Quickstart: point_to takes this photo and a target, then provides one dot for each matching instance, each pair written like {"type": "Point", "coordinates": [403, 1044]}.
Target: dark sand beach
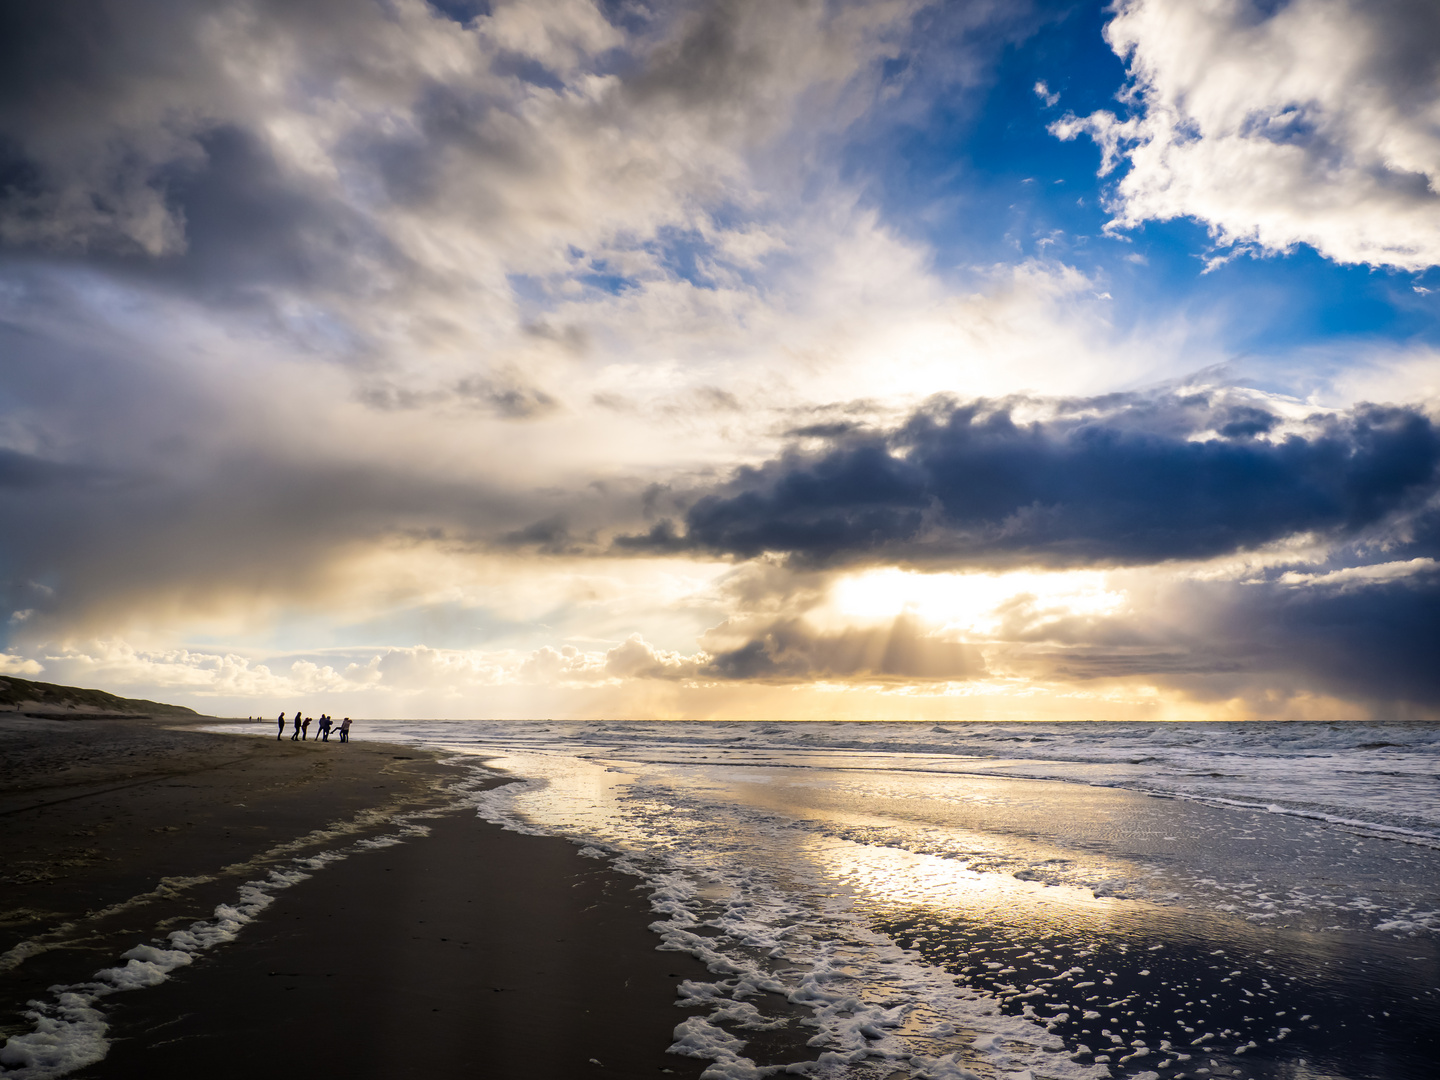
{"type": "Point", "coordinates": [469, 951]}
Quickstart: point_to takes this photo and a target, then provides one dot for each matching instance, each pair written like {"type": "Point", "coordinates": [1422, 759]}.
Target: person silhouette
{"type": "Point", "coordinates": [281, 733]}
{"type": "Point", "coordinates": [323, 730]}
{"type": "Point", "coordinates": [295, 735]}
{"type": "Point", "coordinates": [345, 730]}
{"type": "Point", "coordinates": [305, 730]}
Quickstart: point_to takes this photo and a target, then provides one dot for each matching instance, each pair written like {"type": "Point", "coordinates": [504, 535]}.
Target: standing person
{"type": "Point", "coordinates": [345, 730]}
{"type": "Point", "coordinates": [305, 730]}
{"type": "Point", "coordinates": [323, 730]}
{"type": "Point", "coordinates": [295, 735]}
{"type": "Point", "coordinates": [281, 733]}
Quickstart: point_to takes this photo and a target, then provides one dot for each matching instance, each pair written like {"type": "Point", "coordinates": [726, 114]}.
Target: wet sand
{"type": "Point", "coordinates": [470, 951]}
{"type": "Point", "coordinates": [111, 828]}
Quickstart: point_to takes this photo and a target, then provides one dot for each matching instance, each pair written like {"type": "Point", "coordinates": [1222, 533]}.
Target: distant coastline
{"type": "Point", "coordinates": [51, 701]}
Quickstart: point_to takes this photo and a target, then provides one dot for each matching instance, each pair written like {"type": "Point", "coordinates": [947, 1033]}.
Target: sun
{"type": "Point", "coordinates": [970, 603]}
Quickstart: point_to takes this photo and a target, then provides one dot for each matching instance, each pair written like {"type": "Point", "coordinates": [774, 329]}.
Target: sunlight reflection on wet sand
{"type": "Point", "coordinates": [1150, 933]}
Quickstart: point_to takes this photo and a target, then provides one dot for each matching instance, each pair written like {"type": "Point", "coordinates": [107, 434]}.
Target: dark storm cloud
{"type": "Point", "coordinates": [507, 399]}
{"type": "Point", "coordinates": [1121, 480]}
{"type": "Point", "coordinates": [68, 71]}
{"type": "Point", "coordinates": [1362, 627]}
{"type": "Point", "coordinates": [248, 224]}
{"type": "Point", "coordinates": [124, 141]}
{"type": "Point", "coordinates": [514, 401]}
{"type": "Point", "coordinates": [30, 473]}
{"type": "Point", "coordinates": [147, 485]}
{"type": "Point", "coordinates": [832, 430]}
{"type": "Point", "coordinates": [1373, 643]}
{"type": "Point", "coordinates": [718, 53]}
{"type": "Point", "coordinates": [792, 650]}
{"type": "Point", "coordinates": [1377, 643]}
{"type": "Point", "coordinates": [548, 537]}
{"type": "Point", "coordinates": [249, 527]}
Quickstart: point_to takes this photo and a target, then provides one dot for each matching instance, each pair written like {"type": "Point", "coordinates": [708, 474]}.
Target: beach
{"type": "Point", "coordinates": [463, 950]}
{"type": "Point", "coordinates": [861, 539]}
{"type": "Point", "coordinates": [726, 900]}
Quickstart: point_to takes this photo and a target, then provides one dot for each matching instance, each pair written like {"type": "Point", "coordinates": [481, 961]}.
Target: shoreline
{"type": "Point", "coordinates": [469, 951]}
{"type": "Point", "coordinates": [125, 831]}
{"type": "Point", "coordinates": [403, 934]}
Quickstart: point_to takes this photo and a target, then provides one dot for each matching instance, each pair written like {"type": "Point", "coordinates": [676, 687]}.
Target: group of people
{"type": "Point", "coordinates": [322, 730]}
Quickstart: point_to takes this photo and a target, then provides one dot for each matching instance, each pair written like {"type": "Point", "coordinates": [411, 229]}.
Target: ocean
{"type": "Point", "coordinates": [976, 900]}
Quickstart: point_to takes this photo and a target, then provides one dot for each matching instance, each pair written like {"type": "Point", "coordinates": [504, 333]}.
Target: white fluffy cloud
{"type": "Point", "coordinates": [1318, 124]}
{"type": "Point", "coordinates": [11, 664]}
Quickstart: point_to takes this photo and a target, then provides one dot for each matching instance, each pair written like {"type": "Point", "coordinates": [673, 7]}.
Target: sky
{"type": "Point", "coordinates": [785, 359]}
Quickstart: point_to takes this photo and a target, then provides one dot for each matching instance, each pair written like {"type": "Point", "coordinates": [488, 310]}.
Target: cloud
{"type": "Point", "coordinates": [328, 322]}
{"type": "Point", "coordinates": [635, 658]}
{"type": "Point", "coordinates": [520, 212]}
{"type": "Point", "coordinates": [11, 664]}
{"type": "Point", "coordinates": [20, 471]}
{"type": "Point", "coordinates": [1309, 122]}
{"type": "Point", "coordinates": [782, 652]}
{"type": "Point", "coordinates": [548, 665]}
{"type": "Point", "coordinates": [414, 197]}
{"type": "Point", "coordinates": [118, 662]}
{"type": "Point", "coordinates": [1364, 639]}
{"type": "Point", "coordinates": [534, 127]}
{"type": "Point", "coordinates": [1373, 644]}
{"type": "Point", "coordinates": [283, 284]}
{"type": "Point", "coordinates": [1351, 577]}
{"type": "Point", "coordinates": [792, 650]}
{"type": "Point", "coordinates": [1128, 479]}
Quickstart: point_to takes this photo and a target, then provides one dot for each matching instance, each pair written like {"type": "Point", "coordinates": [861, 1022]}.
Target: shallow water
{"type": "Point", "coordinates": [1076, 900]}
